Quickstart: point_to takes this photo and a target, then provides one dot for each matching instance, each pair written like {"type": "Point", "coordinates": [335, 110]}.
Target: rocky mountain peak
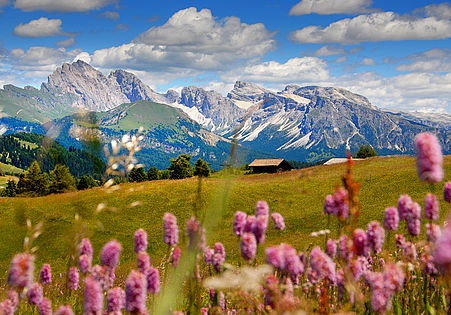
{"type": "Point", "coordinates": [248, 92]}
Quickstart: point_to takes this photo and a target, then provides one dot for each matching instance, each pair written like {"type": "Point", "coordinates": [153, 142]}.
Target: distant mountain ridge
{"type": "Point", "coordinates": [298, 123]}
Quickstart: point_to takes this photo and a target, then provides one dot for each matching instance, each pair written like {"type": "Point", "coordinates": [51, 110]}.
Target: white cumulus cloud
{"type": "Point", "coordinates": [368, 62]}
{"type": "Point", "coordinates": [295, 70]}
{"type": "Point", "coordinates": [68, 42]}
{"type": "Point", "coordinates": [381, 26]}
{"type": "Point", "coordinates": [62, 5]}
{"type": "Point", "coordinates": [331, 7]}
{"type": "Point", "coordinates": [329, 51]}
{"type": "Point", "coordinates": [434, 60]}
{"type": "Point", "coordinates": [190, 39]}
{"type": "Point", "coordinates": [42, 27]}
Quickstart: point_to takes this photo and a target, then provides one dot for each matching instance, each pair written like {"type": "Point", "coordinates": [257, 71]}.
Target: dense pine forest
{"type": "Point", "coordinates": [21, 149]}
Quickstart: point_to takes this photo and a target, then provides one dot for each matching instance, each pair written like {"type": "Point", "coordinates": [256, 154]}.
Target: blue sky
{"type": "Point", "coordinates": [396, 53]}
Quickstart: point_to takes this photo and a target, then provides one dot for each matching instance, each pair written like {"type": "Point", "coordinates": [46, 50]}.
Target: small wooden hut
{"type": "Point", "coordinates": [270, 166]}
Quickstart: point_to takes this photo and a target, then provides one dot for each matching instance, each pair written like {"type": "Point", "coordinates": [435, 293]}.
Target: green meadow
{"type": "Point", "coordinates": [298, 195]}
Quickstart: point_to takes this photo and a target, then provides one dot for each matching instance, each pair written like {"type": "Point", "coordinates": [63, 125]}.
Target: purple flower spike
{"type": "Point", "coordinates": [274, 257]}
{"type": "Point", "coordinates": [140, 241]}
{"type": "Point", "coordinates": [73, 278]}
{"type": "Point", "coordinates": [341, 203]}
{"type": "Point", "coordinates": [410, 252]}
{"type": "Point", "coordinates": [250, 224]}
{"type": "Point", "coordinates": [329, 205]}
{"type": "Point", "coordinates": [64, 310]}
{"type": "Point", "coordinates": [322, 264]}
{"type": "Point", "coordinates": [262, 208]}
{"type": "Point", "coordinates": [143, 262]}
{"type": "Point", "coordinates": [331, 248]}
{"type": "Point", "coordinates": [391, 219]}
{"type": "Point", "coordinates": [400, 241]}
{"type": "Point", "coordinates": [239, 222]}
{"type": "Point", "coordinates": [153, 280]}
{"type": "Point", "coordinates": [442, 253]}
{"type": "Point", "coordinates": [208, 255]}
{"type": "Point", "coordinates": [116, 300]}
{"type": "Point", "coordinates": [219, 249]}
{"type": "Point", "coordinates": [110, 254]}
{"type": "Point", "coordinates": [6, 307]}
{"type": "Point", "coordinates": [218, 261]}
{"type": "Point", "coordinates": [135, 293]}
{"type": "Point", "coordinates": [404, 204]}
{"type": "Point", "coordinates": [13, 296]}
{"type": "Point", "coordinates": [86, 247]}
{"type": "Point", "coordinates": [171, 230]}
{"type": "Point", "coordinates": [21, 271]}
{"type": "Point", "coordinates": [279, 223]}
{"type": "Point", "coordinates": [84, 263]}
{"type": "Point", "coordinates": [447, 192]}
{"type": "Point", "coordinates": [375, 236]}
{"type": "Point", "coordinates": [176, 257]}
{"type": "Point", "coordinates": [431, 208]}
{"type": "Point", "coordinates": [429, 158]}
{"type": "Point", "coordinates": [414, 227]}
{"type": "Point", "coordinates": [93, 297]}
{"type": "Point", "coordinates": [46, 274]}
{"type": "Point", "coordinates": [433, 232]}
{"type": "Point", "coordinates": [248, 246]}
{"type": "Point", "coordinates": [45, 307]}
{"type": "Point", "coordinates": [261, 224]}
{"type": "Point", "coordinates": [345, 251]}
{"type": "Point", "coordinates": [35, 294]}
{"type": "Point", "coordinates": [360, 243]}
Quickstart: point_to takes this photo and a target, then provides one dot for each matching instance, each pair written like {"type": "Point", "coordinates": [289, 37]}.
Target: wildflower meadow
{"type": "Point", "coordinates": [398, 265]}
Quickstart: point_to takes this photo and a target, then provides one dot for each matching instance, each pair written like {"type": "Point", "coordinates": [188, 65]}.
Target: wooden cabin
{"type": "Point", "coordinates": [270, 166]}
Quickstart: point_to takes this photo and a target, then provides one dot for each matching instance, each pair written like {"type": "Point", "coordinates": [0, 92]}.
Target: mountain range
{"type": "Point", "coordinates": [296, 123]}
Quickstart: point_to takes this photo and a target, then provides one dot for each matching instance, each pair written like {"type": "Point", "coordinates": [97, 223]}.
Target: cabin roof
{"type": "Point", "coordinates": [266, 162]}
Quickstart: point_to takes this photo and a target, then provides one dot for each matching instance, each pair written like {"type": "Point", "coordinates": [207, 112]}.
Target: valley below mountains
{"type": "Point", "coordinates": [296, 123]}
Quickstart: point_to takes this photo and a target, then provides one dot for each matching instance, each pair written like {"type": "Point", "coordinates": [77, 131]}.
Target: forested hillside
{"type": "Point", "coordinates": [21, 149]}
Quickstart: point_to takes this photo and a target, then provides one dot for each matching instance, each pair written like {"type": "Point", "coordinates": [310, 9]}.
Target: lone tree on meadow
{"type": "Point", "coordinates": [137, 174]}
{"type": "Point", "coordinates": [61, 180]}
{"type": "Point", "coordinates": [365, 151]}
{"type": "Point", "coordinates": [33, 180]}
{"type": "Point", "coordinates": [201, 168]}
{"type": "Point", "coordinates": [180, 167]}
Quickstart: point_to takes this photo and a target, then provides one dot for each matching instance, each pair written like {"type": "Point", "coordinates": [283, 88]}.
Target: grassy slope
{"type": "Point", "coordinates": [297, 195]}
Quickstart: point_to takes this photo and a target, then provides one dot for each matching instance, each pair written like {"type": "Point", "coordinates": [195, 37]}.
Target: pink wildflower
{"type": "Point", "coordinates": [410, 252]}
{"type": "Point", "coordinates": [64, 310]}
{"type": "Point", "coordinates": [73, 278]}
{"type": "Point", "coordinates": [380, 298]}
{"type": "Point", "coordinates": [447, 192]}
{"type": "Point", "coordinates": [6, 307]}
{"type": "Point", "coordinates": [153, 280]}
{"type": "Point", "coordinates": [345, 247]}
{"type": "Point", "coordinates": [331, 248]}
{"type": "Point", "coordinates": [93, 297]}
{"type": "Point", "coordinates": [414, 226]}
{"type": "Point", "coordinates": [86, 247]}
{"type": "Point", "coordinates": [322, 264]}
{"type": "Point", "coordinates": [13, 296]}
{"type": "Point", "coordinates": [391, 219]}
{"type": "Point", "coordinates": [110, 254]}
{"type": "Point", "coordinates": [274, 257]}
{"type": "Point", "coordinates": [176, 257]}
{"type": "Point", "coordinates": [375, 235]}
{"type": "Point", "coordinates": [431, 208]}
{"type": "Point", "coordinates": [428, 264]}
{"type": "Point", "coordinates": [260, 227]}
{"type": "Point", "coordinates": [208, 255]}
{"type": "Point", "coordinates": [393, 278]}
{"type": "Point", "coordinates": [404, 202]}
{"type": "Point", "coordinates": [262, 208]}
{"type": "Point", "coordinates": [329, 205]}
{"type": "Point", "coordinates": [400, 241]}
{"type": "Point", "coordinates": [116, 300]}
{"type": "Point", "coordinates": [45, 307]}
{"type": "Point", "coordinates": [433, 232]}
{"type": "Point", "coordinates": [279, 223]}
{"type": "Point", "coordinates": [239, 222]}
{"type": "Point", "coordinates": [360, 243]}
{"type": "Point", "coordinates": [341, 203]}
{"type": "Point", "coordinates": [219, 249]}
{"type": "Point", "coordinates": [135, 293]}
{"type": "Point", "coordinates": [248, 246]}
{"type": "Point", "coordinates": [84, 263]}
{"type": "Point", "coordinates": [429, 158]}
{"type": "Point", "coordinates": [143, 262]}
{"type": "Point", "coordinates": [46, 274]}
{"type": "Point", "coordinates": [250, 223]}
{"type": "Point", "coordinates": [171, 231]}
{"type": "Point", "coordinates": [21, 271]}
{"type": "Point", "coordinates": [34, 294]}
{"type": "Point", "coordinates": [140, 241]}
